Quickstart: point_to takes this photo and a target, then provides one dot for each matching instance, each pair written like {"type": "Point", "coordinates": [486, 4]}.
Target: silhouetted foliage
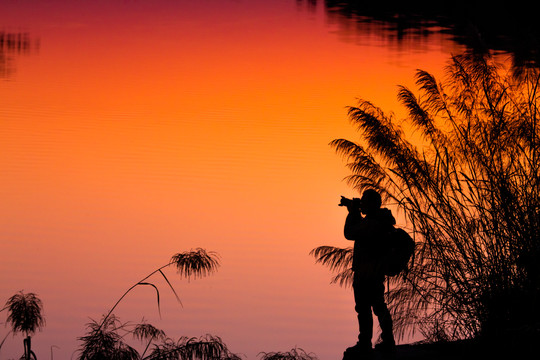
{"type": "Point", "coordinates": [203, 348]}
{"type": "Point", "coordinates": [145, 331]}
{"type": "Point", "coordinates": [196, 263]}
{"type": "Point", "coordinates": [338, 260]}
{"type": "Point", "coordinates": [294, 354]}
{"type": "Point", "coordinates": [149, 333]}
{"type": "Point", "coordinates": [103, 341]}
{"type": "Point", "coordinates": [25, 316]}
{"type": "Point", "coordinates": [25, 313]}
{"type": "Point", "coordinates": [470, 190]}
{"type": "Point", "coordinates": [106, 339]}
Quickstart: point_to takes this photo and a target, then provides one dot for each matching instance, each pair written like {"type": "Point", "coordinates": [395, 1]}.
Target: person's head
{"type": "Point", "coordinates": [370, 201]}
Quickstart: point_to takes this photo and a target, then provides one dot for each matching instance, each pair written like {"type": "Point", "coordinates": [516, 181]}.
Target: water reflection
{"type": "Point", "coordinates": [12, 44]}
{"type": "Point", "coordinates": [140, 120]}
{"type": "Point", "coordinates": [479, 25]}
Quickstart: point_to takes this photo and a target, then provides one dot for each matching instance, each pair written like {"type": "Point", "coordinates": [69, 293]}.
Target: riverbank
{"type": "Point", "coordinates": [452, 350]}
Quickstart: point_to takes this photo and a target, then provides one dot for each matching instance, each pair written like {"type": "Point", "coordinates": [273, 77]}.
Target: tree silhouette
{"type": "Point", "coordinates": [25, 316]}
{"type": "Point", "coordinates": [470, 190]}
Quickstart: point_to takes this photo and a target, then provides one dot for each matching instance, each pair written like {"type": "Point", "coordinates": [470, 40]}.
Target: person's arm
{"type": "Point", "coordinates": [353, 225]}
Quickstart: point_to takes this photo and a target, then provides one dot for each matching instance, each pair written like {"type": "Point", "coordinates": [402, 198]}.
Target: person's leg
{"type": "Point", "coordinates": [383, 315]}
{"type": "Point", "coordinates": [364, 315]}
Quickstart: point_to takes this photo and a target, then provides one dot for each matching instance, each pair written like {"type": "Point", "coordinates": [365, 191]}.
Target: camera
{"type": "Point", "coordinates": [350, 203]}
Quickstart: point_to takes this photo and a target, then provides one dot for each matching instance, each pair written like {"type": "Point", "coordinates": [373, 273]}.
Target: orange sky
{"type": "Point", "coordinates": [137, 131]}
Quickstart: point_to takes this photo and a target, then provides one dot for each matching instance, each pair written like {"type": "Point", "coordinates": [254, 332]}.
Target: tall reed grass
{"type": "Point", "coordinates": [470, 190]}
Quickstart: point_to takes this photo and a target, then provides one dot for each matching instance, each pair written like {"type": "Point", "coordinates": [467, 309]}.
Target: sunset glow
{"type": "Point", "coordinates": [135, 130]}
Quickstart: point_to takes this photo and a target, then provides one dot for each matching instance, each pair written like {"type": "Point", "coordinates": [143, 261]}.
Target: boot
{"type": "Point", "coordinates": [386, 346]}
{"type": "Point", "coordinates": [359, 349]}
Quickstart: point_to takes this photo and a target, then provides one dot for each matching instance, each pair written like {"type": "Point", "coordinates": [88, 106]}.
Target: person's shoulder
{"type": "Point", "coordinates": [385, 212]}
{"type": "Point", "coordinates": [385, 215]}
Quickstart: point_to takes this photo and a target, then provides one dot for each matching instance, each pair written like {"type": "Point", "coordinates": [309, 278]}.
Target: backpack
{"type": "Point", "coordinates": [401, 249]}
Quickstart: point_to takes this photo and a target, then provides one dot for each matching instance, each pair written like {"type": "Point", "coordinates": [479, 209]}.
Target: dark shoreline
{"type": "Point", "coordinates": [460, 350]}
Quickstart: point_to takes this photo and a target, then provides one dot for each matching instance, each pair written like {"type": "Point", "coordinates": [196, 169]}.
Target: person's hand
{"type": "Point", "coordinates": [351, 204]}
{"type": "Point", "coordinates": [344, 201]}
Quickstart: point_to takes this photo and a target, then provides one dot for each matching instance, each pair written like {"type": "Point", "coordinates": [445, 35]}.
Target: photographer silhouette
{"type": "Point", "coordinates": [369, 232]}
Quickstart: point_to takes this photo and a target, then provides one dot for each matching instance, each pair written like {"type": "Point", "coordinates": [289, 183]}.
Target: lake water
{"type": "Point", "coordinates": [133, 130]}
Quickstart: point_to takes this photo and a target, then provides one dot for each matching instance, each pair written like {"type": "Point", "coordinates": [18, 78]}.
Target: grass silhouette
{"type": "Point", "coordinates": [25, 316]}
{"type": "Point", "coordinates": [194, 263]}
{"type": "Point", "coordinates": [106, 339]}
{"type": "Point", "coordinates": [293, 354]}
{"type": "Point", "coordinates": [471, 193]}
